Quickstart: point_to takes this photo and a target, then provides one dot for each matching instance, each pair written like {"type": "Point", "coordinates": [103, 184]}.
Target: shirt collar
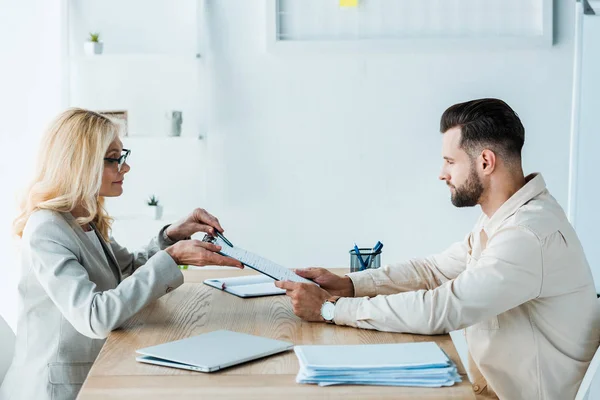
{"type": "Point", "coordinates": [534, 185]}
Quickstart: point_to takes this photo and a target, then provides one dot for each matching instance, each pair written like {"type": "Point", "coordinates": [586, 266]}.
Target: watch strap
{"type": "Point", "coordinates": [331, 300]}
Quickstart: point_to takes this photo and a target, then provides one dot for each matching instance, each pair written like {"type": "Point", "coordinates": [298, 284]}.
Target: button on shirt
{"type": "Point", "coordinates": [520, 285]}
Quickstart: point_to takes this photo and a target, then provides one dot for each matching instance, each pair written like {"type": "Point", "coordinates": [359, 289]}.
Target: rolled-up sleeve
{"type": "Point", "coordinates": [508, 274]}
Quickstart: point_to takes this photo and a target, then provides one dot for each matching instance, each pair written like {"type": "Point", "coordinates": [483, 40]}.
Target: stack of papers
{"type": "Point", "coordinates": [400, 364]}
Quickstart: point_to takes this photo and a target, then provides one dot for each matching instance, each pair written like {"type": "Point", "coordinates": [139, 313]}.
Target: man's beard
{"type": "Point", "coordinates": [469, 193]}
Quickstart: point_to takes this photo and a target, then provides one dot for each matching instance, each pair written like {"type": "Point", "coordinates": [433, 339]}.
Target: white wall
{"type": "Point", "coordinates": [305, 154]}
{"type": "Point", "coordinates": [135, 26]}
{"type": "Point", "coordinates": [31, 81]}
{"type": "Point", "coordinates": [309, 153]}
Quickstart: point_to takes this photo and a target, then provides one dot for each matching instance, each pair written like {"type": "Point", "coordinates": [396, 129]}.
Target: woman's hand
{"type": "Point", "coordinates": [198, 221]}
{"type": "Point", "coordinates": [196, 252]}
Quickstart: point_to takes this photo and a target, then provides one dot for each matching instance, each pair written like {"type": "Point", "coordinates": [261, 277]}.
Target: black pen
{"type": "Point", "coordinates": [223, 238]}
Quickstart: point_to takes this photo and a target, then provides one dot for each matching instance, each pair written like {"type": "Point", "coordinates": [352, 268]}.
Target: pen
{"type": "Point", "coordinates": [223, 238]}
{"type": "Point", "coordinates": [376, 250]}
{"type": "Point", "coordinates": [363, 266]}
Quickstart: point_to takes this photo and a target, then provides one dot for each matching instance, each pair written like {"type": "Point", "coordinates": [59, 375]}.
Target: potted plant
{"type": "Point", "coordinates": [155, 210]}
{"type": "Point", "coordinates": [93, 45]}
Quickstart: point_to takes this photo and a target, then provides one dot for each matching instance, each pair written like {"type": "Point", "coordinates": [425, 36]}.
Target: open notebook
{"type": "Point", "coordinates": [246, 286]}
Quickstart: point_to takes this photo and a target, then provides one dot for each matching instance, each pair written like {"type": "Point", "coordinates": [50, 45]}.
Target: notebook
{"type": "Point", "coordinates": [246, 286]}
{"type": "Point", "coordinates": [212, 351]}
{"type": "Point", "coordinates": [256, 262]}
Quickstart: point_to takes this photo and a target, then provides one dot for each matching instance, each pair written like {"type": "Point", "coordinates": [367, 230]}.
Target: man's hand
{"type": "Point", "coordinates": [334, 284]}
{"type": "Point", "coordinates": [198, 221]}
{"type": "Point", "coordinates": [307, 299]}
{"type": "Point", "coordinates": [196, 252]}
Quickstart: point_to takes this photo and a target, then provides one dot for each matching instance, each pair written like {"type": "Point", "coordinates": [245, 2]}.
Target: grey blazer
{"type": "Point", "coordinates": [71, 299]}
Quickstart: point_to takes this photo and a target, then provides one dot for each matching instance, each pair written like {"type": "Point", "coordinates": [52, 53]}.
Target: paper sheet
{"type": "Point", "coordinates": [259, 263]}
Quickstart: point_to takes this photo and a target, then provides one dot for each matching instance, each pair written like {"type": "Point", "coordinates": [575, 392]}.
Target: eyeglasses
{"type": "Point", "coordinates": [119, 161]}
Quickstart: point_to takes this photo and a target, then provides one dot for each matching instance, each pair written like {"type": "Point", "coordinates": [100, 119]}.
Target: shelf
{"type": "Point", "coordinates": [165, 138]}
{"type": "Point", "coordinates": [145, 57]}
{"type": "Point", "coordinates": [166, 219]}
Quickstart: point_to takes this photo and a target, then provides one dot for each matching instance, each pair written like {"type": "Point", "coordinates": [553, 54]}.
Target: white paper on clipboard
{"type": "Point", "coordinates": [254, 261]}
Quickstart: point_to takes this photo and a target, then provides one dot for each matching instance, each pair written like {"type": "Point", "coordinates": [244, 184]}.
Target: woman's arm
{"type": "Point", "coordinates": [198, 220]}
{"type": "Point", "coordinates": [94, 313]}
{"type": "Point", "coordinates": [131, 261]}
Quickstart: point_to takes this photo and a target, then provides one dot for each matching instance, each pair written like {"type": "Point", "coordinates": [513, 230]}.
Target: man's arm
{"type": "Point", "coordinates": [508, 274]}
{"type": "Point", "coordinates": [426, 273]}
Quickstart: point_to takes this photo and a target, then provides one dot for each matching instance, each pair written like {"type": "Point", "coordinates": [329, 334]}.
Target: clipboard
{"type": "Point", "coordinates": [254, 261]}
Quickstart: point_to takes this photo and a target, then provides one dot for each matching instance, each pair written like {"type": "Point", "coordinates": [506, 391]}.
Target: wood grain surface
{"type": "Point", "coordinates": [195, 308]}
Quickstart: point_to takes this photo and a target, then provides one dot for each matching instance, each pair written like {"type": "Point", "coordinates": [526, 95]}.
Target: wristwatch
{"type": "Point", "coordinates": [328, 309]}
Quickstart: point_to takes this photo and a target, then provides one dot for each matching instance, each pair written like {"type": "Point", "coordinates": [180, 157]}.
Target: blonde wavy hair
{"type": "Point", "coordinates": [69, 169]}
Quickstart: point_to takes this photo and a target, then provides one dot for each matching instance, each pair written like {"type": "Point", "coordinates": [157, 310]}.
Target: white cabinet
{"type": "Point", "coordinates": [151, 64]}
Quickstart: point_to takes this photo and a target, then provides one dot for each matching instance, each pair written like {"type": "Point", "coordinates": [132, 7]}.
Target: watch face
{"type": "Point", "coordinates": [327, 311]}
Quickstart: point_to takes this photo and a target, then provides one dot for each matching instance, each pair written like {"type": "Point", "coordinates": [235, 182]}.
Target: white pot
{"type": "Point", "coordinates": [155, 212]}
{"type": "Point", "coordinates": [93, 48]}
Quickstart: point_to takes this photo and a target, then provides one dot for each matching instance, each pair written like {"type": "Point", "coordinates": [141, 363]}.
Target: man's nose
{"type": "Point", "coordinates": [444, 176]}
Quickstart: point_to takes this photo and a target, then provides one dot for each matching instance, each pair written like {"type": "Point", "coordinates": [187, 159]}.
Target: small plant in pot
{"type": "Point", "coordinates": [93, 45]}
{"type": "Point", "coordinates": [155, 210]}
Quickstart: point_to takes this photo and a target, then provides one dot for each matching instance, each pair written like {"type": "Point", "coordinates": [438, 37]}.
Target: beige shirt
{"type": "Point", "coordinates": [520, 285]}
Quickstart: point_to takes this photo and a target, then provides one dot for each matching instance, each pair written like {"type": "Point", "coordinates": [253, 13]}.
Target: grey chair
{"type": "Point", "coordinates": [7, 347]}
{"type": "Point", "coordinates": [590, 386]}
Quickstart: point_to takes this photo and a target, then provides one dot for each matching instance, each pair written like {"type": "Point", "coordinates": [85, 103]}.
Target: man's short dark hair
{"type": "Point", "coordinates": [486, 123]}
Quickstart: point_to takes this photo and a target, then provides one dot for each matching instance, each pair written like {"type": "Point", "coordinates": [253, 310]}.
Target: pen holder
{"type": "Point", "coordinates": [374, 259]}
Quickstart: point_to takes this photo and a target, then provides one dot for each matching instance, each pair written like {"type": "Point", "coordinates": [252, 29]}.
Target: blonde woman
{"type": "Point", "coordinates": [77, 283]}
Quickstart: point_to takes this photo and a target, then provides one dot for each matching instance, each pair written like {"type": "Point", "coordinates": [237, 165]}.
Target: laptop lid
{"type": "Point", "coordinates": [212, 351]}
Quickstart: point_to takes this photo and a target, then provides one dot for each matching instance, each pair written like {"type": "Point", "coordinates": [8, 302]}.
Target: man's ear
{"type": "Point", "coordinates": [488, 161]}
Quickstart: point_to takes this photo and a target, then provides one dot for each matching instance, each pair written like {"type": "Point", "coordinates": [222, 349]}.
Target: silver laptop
{"type": "Point", "coordinates": [212, 351]}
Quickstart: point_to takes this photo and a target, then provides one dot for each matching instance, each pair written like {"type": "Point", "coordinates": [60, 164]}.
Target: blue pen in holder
{"type": "Point", "coordinates": [364, 259]}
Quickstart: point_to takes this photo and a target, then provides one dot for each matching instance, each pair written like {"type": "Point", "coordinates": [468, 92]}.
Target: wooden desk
{"type": "Point", "coordinates": [195, 308]}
